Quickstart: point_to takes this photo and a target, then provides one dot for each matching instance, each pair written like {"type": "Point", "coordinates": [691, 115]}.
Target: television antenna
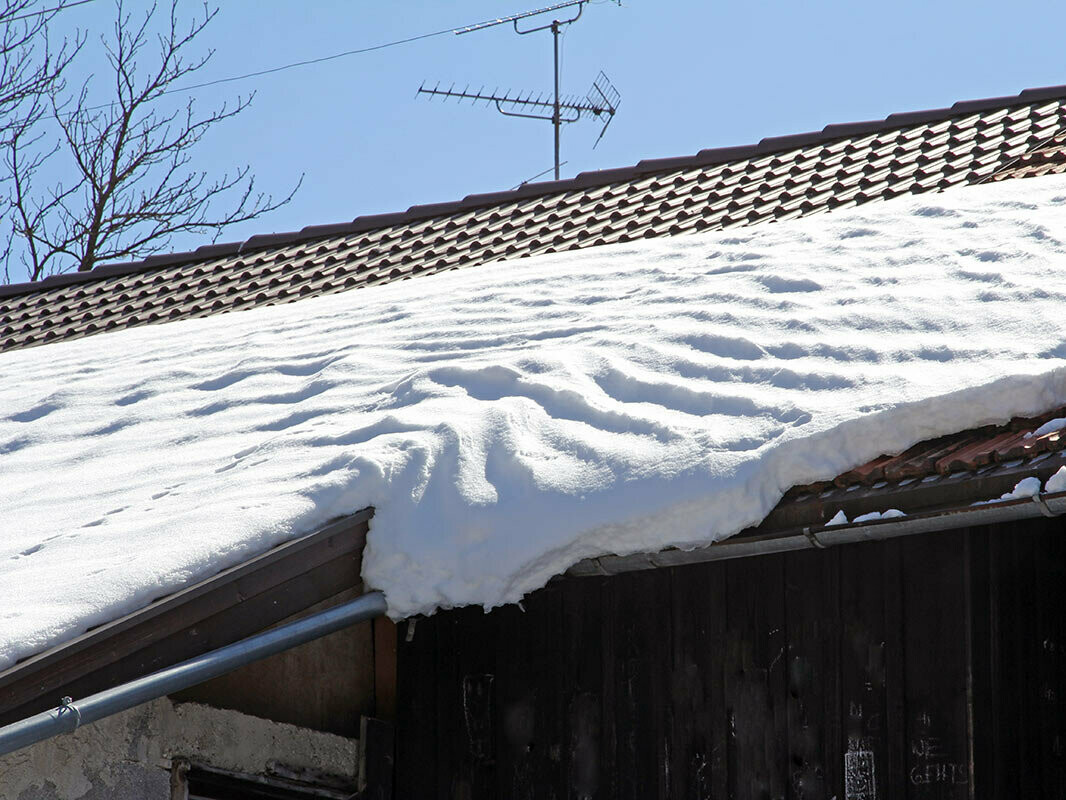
{"type": "Point", "coordinates": [601, 101]}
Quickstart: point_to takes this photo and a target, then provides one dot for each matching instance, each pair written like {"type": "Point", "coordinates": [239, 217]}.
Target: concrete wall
{"type": "Point", "coordinates": [129, 755]}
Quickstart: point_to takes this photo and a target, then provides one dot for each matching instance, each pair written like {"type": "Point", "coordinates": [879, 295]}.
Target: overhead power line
{"type": "Point", "coordinates": [295, 64]}
{"type": "Point", "coordinates": [43, 11]}
{"type": "Point", "coordinates": [346, 53]}
{"type": "Point", "coordinates": [309, 62]}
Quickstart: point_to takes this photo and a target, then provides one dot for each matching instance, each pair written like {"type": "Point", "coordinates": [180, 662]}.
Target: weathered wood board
{"type": "Point", "coordinates": [927, 667]}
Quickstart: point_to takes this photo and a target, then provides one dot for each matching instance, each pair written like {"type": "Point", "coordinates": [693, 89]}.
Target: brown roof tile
{"type": "Point", "coordinates": [950, 471]}
{"type": "Point", "coordinates": [779, 178]}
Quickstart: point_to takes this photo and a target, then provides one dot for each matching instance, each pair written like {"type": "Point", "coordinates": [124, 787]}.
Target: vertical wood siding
{"type": "Point", "coordinates": [926, 667]}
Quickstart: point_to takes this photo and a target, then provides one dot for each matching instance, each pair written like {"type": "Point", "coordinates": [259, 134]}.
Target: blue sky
{"type": "Point", "coordinates": [693, 74]}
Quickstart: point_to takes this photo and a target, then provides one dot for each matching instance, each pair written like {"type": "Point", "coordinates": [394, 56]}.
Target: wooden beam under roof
{"type": "Point", "coordinates": [214, 612]}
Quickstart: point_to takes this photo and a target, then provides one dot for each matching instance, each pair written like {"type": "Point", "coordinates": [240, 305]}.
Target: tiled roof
{"type": "Point", "coordinates": [779, 178]}
{"type": "Point", "coordinates": [964, 467]}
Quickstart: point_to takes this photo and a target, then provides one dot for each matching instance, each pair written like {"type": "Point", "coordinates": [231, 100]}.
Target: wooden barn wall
{"type": "Point", "coordinates": [1019, 645]}
{"type": "Point", "coordinates": [926, 667]}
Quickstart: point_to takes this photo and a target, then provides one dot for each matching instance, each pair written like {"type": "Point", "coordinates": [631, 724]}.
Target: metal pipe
{"type": "Point", "coordinates": [555, 114]}
{"type": "Point", "coordinates": [66, 717]}
{"type": "Point", "coordinates": [820, 536]}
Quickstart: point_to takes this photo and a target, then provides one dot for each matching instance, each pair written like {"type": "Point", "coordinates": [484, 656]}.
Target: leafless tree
{"type": "Point", "coordinates": [133, 184]}
{"type": "Point", "coordinates": [29, 69]}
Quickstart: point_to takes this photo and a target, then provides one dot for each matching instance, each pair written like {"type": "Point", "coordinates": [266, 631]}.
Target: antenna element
{"type": "Point", "coordinates": [600, 101]}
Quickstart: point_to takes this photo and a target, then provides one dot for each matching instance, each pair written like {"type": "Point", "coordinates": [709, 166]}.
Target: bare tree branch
{"type": "Point", "coordinates": [132, 187]}
{"type": "Point", "coordinates": [29, 68]}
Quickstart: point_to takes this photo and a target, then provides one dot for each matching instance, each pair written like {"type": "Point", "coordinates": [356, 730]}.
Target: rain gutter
{"type": "Point", "coordinates": [70, 714]}
{"type": "Point", "coordinates": [821, 536]}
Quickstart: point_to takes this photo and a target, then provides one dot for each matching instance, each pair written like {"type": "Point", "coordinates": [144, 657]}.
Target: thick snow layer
{"type": "Point", "coordinates": [509, 420]}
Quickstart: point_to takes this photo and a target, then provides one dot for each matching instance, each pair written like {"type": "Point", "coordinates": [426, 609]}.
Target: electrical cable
{"type": "Point", "coordinates": [319, 60]}
{"type": "Point", "coordinates": [295, 64]}
{"type": "Point", "coordinates": [63, 7]}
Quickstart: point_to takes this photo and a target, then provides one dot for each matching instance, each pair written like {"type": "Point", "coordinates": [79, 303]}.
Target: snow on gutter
{"type": "Point", "coordinates": [822, 536]}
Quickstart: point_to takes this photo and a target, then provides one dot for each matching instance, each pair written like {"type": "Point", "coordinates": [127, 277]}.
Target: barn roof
{"type": "Point", "coordinates": [777, 179]}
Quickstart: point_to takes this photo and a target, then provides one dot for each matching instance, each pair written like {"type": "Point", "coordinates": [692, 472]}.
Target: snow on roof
{"type": "Point", "coordinates": [510, 420]}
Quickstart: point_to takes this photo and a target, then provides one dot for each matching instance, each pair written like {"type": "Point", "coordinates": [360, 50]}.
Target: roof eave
{"type": "Point", "coordinates": [224, 608]}
{"type": "Point", "coordinates": [823, 537]}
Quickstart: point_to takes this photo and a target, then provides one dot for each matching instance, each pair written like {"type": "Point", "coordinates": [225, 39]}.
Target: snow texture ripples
{"type": "Point", "coordinates": [509, 420]}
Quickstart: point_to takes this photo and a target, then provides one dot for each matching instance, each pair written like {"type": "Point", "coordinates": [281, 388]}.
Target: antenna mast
{"type": "Point", "coordinates": [601, 100]}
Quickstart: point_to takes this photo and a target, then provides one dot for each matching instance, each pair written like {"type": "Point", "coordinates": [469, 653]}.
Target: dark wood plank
{"type": "Point", "coordinates": [755, 682]}
{"type": "Point", "coordinates": [581, 686]}
{"type": "Point", "coordinates": [612, 590]}
{"type": "Point", "coordinates": [385, 669]}
{"type": "Point", "coordinates": [714, 653]}
{"type": "Point", "coordinates": [376, 756]}
{"type": "Point", "coordinates": [550, 666]}
{"type": "Point", "coordinates": [986, 729]}
{"type": "Point", "coordinates": [896, 782]}
{"type": "Point", "coordinates": [418, 727]}
{"type": "Point", "coordinates": [660, 639]}
{"type": "Point", "coordinates": [812, 625]}
{"type": "Point", "coordinates": [452, 781]}
{"type": "Point", "coordinates": [1032, 579]}
{"type": "Point", "coordinates": [524, 684]}
{"type": "Point", "coordinates": [1010, 619]}
{"type": "Point", "coordinates": [641, 621]}
{"type": "Point", "coordinates": [697, 744]}
{"type": "Point", "coordinates": [865, 586]}
{"type": "Point", "coordinates": [1053, 601]}
{"type": "Point", "coordinates": [475, 726]}
{"type": "Point", "coordinates": [938, 764]}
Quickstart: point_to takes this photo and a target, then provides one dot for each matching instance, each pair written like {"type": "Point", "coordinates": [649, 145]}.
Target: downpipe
{"type": "Point", "coordinates": [71, 714]}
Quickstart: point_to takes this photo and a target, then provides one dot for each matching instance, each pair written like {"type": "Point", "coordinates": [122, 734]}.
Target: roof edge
{"type": "Point", "coordinates": [583, 180]}
{"type": "Point", "coordinates": [821, 537]}
{"type": "Point", "coordinates": [282, 581]}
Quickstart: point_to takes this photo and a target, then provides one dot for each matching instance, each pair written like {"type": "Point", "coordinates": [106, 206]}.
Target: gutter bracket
{"type": "Point", "coordinates": [1039, 500]}
{"type": "Point", "coordinates": [66, 706]}
{"type": "Point", "coordinates": [812, 537]}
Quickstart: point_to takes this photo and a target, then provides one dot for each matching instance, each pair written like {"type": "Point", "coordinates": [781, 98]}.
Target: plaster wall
{"type": "Point", "coordinates": [129, 755]}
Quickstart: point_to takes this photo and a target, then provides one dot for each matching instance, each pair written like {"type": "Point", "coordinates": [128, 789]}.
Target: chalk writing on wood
{"type": "Point", "coordinates": [932, 763]}
{"type": "Point", "coordinates": [477, 714]}
{"type": "Point", "coordinates": [860, 781]}
{"type": "Point", "coordinates": [939, 772]}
